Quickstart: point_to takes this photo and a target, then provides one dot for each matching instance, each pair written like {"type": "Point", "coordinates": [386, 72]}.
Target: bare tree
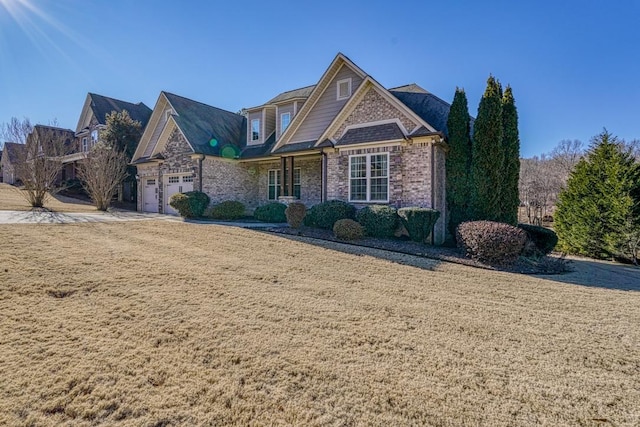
{"type": "Point", "coordinates": [539, 185]}
{"type": "Point", "coordinates": [41, 161]}
{"type": "Point", "coordinates": [102, 172]}
{"type": "Point", "coordinates": [566, 155]}
{"type": "Point", "coordinates": [15, 130]}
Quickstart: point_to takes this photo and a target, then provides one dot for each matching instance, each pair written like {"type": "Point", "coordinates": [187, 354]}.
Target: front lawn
{"type": "Point", "coordinates": [168, 323]}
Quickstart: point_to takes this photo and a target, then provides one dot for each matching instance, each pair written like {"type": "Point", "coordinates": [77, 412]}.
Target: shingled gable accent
{"type": "Point", "coordinates": [339, 61]}
{"type": "Point", "coordinates": [371, 84]}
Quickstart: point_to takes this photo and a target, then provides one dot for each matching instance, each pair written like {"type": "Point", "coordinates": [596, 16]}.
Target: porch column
{"type": "Point", "coordinates": [283, 174]}
{"type": "Point", "coordinates": [290, 178]}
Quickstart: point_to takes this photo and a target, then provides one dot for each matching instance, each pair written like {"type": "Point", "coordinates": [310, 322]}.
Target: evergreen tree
{"type": "Point", "coordinates": [123, 134]}
{"type": "Point", "coordinates": [458, 161]}
{"type": "Point", "coordinates": [509, 197]}
{"type": "Point", "coordinates": [598, 212]}
{"type": "Point", "coordinates": [487, 155]}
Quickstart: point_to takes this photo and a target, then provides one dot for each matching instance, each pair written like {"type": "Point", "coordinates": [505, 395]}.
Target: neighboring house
{"type": "Point", "coordinates": [11, 155]}
{"type": "Point", "coordinates": [346, 138]}
{"type": "Point", "coordinates": [93, 119]}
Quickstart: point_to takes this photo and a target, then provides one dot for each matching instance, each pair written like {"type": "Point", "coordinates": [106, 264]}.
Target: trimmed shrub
{"type": "Point", "coordinates": [348, 229]}
{"type": "Point", "coordinates": [229, 209]}
{"type": "Point", "coordinates": [271, 212]}
{"type": "Point", "coordinates": [418, 221]}
{"type": "Point", "coordinates": [295, 213]}
{"type": "Point", "coordinates": [326, 214]}
{"type": "Point", "coordinates": [378, 220]}
{"type": "Point", "coordinates": [310, 219]}
{"type": "Point", "coordinates": [491, 242]}
{"type": "Point", "coordinates": [191, 204]}
{"type": "Point", "coordinates": [543, 239]}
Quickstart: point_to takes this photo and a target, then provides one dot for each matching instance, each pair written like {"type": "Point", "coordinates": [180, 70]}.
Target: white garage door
{"type": "Point", "coordinates": [150, 195]}
{"type": "Point", "coordinates": [176, 184]}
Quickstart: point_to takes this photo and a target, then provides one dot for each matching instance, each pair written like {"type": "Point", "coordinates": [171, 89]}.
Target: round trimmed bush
{"type": "Point", "coordinates": [327, 213]}
{"type": "Point", "coordinates": [543, 239]}
{"type": "Point", "coordinates": [191, 204]}
{"type": "Point", "coordinates": [295, 213]}
{"type": "Point", "coordinates": [310, 217]}
{"type": "Point", "coordinates": [271, 212]}
{"type": "Point", "coordinates": [229, 209]}
{"type": "Point", "coordinates": [378, 220]}
{"type": "Point", "coordinates": [348, 229]}
{"type": "Point", "coordinates": [491, 242]}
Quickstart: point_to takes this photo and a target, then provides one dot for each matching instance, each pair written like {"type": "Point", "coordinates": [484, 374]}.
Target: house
{"type": "Point", "coordinates": [346, 137]}
{"type": "Point", "coordinates": [93, 119]}
{"type": "Point", "coordinates": [11, 155]}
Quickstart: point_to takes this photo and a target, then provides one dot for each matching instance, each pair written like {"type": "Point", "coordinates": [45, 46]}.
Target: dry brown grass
{"type": "Point", "coordinates": [11, 199]}
{"type": "Point", "coordinates": [156, 323]}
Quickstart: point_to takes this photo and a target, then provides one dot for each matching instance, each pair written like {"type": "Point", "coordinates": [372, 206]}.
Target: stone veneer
{"type": "Point", "coordinates": [371, 108]}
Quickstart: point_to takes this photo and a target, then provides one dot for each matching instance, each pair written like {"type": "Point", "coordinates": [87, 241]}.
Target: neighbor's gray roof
{"type": "Point", "coordinates": [384, 132]}
{"type": "Point", "coordinates": [201, 123]}
{"type": "Point", "coordinates": [303, 92]}
{"type": "Point", "coordinates": [103, 105]}
{"type": "Point", "coordinates": [13, 151]}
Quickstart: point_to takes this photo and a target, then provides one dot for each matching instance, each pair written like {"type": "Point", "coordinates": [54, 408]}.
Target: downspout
{"type": "Point", "coordinates": [433, 186]}
{"type": "Point", "coordinates": [323, 177]}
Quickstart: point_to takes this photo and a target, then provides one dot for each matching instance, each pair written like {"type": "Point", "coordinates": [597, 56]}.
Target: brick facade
{"type": "Point", "coordinates": [229, 180]}
{"type": "Point", "coordinates": [373, 107]}
{"type": "Point", "coordinates": [310, 180]}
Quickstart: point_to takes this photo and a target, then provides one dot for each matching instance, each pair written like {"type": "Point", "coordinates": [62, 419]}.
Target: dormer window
{"type": "Point", "coordinates": [344, 89]}
{"type": "Point", "coordinates": [255, 130]}
{"type": "Point", "coordinates": [94, 137]}
{"type": "Point", "coordinates": [85, 144]}
{"type": "Point", "coordinates": [285, 119]}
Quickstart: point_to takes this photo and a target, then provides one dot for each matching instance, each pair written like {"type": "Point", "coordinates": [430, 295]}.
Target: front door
{"type": "Point", "coordinates": [176, 184]}
{"type": "Point", "coordinates": [150, 195]}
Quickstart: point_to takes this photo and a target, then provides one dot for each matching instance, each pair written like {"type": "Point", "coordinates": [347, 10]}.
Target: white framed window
{"type": "Point", "coordinates": [85, 144]}
{"type": "Point", "coordinates": [255, 129]}
{"type": "Point", "coordinates": [187, 178]}
{"type": "Point", "coordinates": [369, 178]}
{"type": "Point", "coordinates": [285, 119]}
{"type": "Point", "coordinates": [343, 89]}
{"type": "Point", "coordinates": [94, 137]}
{"type": "Point", "coordinates": [274, 183]}
{"type": "Point", "coordinates": [174, 179]}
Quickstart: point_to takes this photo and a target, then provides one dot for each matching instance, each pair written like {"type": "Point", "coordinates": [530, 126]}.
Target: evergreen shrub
{"type": "Point", "coordinates": [191, 204]}
{"type": "Point", "coordinates": [271, 212]}
{"type": "Point", "coordinates": [378, 220]}
{"type": "Point", "coordinates": [229, 209]}
{"type": "Point", "coordinates": [543, 239]}
{"type": "Point", "coordinates": [418, 221]}
{"type": "Point", "coordinates": [326, 214]}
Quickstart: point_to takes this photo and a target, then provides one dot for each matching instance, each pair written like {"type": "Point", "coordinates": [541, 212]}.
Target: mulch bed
{"type": "Point", "coordinates": [546, 265]}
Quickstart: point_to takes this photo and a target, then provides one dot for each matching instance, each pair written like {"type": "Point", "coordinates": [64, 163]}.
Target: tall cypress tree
{"type": "Point", "coordinates": [510, 199]}
{"type": "Point", "coordinates": [458, 161]}
{"type": "Point", "coordinates": [487, 155]}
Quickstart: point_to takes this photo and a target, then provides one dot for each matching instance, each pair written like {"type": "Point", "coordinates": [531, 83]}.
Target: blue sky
{"type": "Point", "coordinates": [574, 65]}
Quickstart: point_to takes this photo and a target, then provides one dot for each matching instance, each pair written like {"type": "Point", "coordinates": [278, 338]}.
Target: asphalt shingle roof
{"type": "Point", "coordinates": [298, 146]}
{"type": "Point", "coordinates": [103, 105]}
{"type": "Point", "coordinates": [257, 151]}
{"type": "Point", "coordinates": [209, 130]}
{"type": "Point", "coordinates": [384, 132]}
{"type": "Point", "coordinates": [13, 151]}
{"type": "Point", "coordinates": [302, 92]}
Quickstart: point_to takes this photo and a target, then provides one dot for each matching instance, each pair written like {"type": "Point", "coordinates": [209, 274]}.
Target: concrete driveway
{"type": "Point", "coordinates": [48, 217]}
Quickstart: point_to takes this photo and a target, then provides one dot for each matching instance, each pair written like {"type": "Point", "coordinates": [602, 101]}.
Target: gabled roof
{"type": "Point", "coordinates": [302, 92]}
{"type": "Point", "coordinates": [13, 151]}
{"type": "Point", "coordinates": [375, 133]}
{"type": "Point", "coordinates": [103, 105]}
{"type": "Point", "coordinates": [427, 106]}
{"type": "Point", "coordinates": [211, 131]}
